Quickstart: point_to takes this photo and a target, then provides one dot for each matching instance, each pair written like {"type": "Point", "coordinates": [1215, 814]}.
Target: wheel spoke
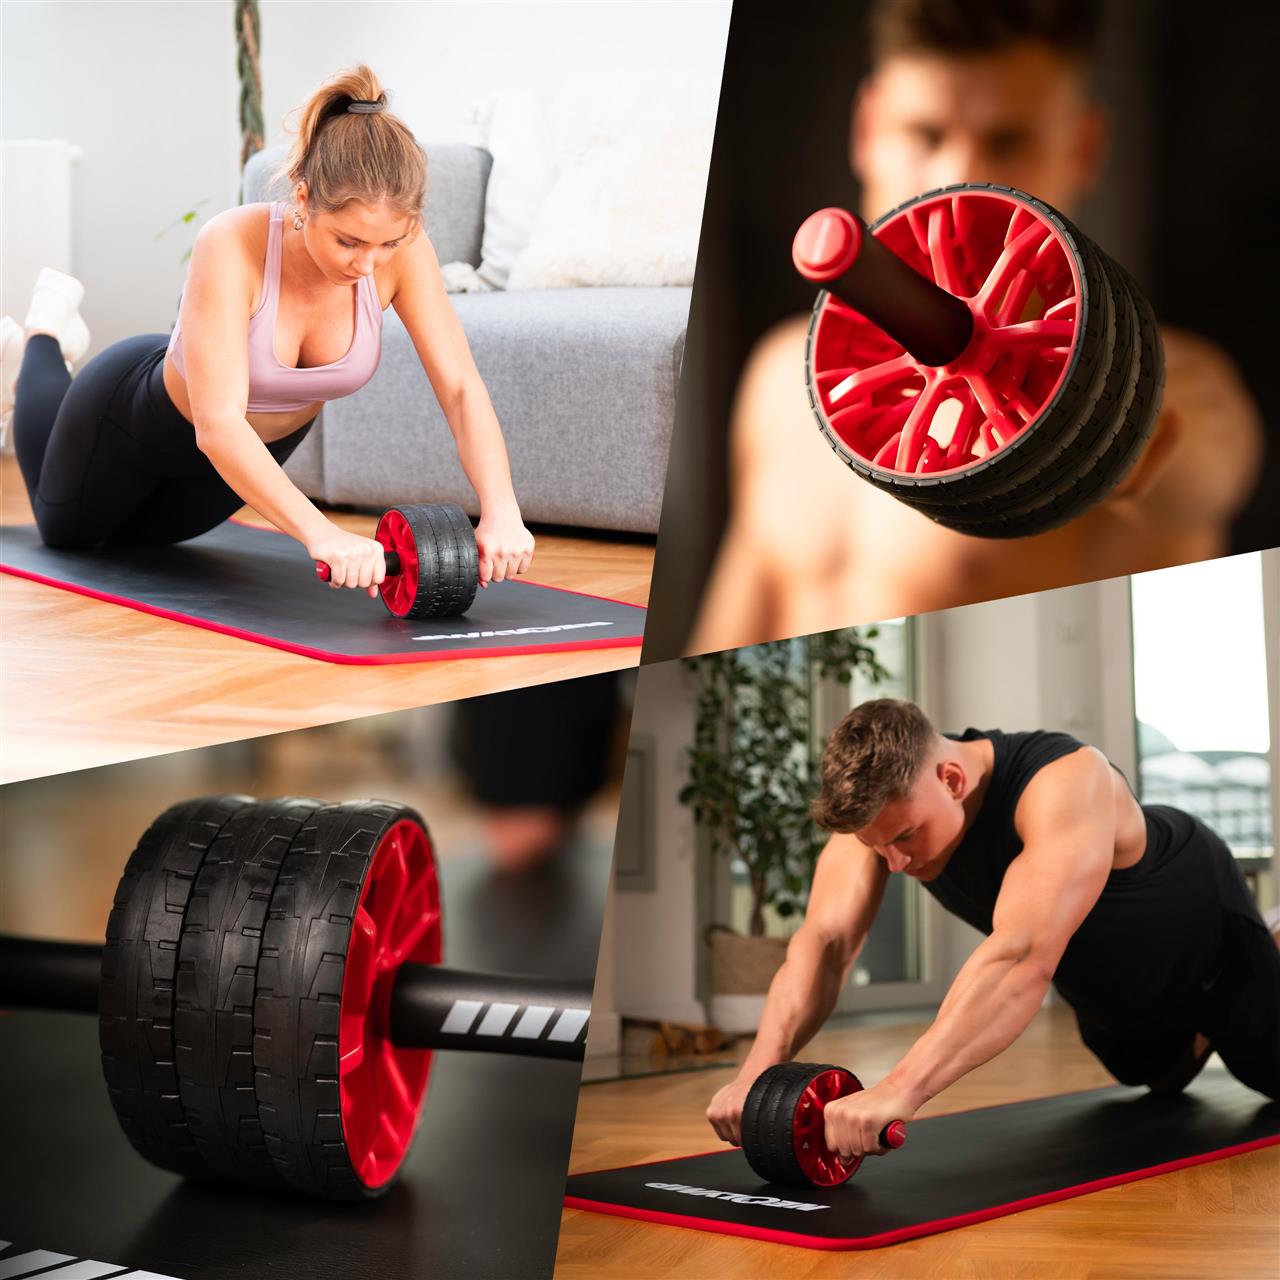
{"type": "Point", "coordinates": [916, 428]}
{"type": "Point", "coordinates": [993, 410]}
{"type": "Point", "coordinates": [864, 382]}
{"type": "Point", "coordinates": [942, 250]}
{"type": "Point", "coordinates": [1037, 335]}
{"type": "Point", "coordinates": [1013, 259]}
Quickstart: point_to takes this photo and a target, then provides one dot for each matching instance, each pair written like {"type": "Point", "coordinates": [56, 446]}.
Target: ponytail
{"type": "Point", "coordinates": [363, 153]}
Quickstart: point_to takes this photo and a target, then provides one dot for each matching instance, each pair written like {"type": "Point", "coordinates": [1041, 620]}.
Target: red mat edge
{"type": "Point", "coordinates": [344, 659]}
{"type": "Point", "coordinates": [845, 1243]}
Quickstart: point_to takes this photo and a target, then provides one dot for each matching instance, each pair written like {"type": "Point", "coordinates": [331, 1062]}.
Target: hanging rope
{"type": "Point", "coordinates": [248, 40]}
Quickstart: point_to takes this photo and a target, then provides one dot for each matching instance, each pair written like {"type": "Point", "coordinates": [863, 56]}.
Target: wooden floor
{"type": "Point", "coordinates": [1214, 1220]}
{"type": "Point", "coordinates": [87, 683]}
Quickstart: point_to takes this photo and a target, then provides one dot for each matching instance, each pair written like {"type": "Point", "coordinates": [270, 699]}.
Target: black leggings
{"type": "Point", "coordinates": [107, 457]}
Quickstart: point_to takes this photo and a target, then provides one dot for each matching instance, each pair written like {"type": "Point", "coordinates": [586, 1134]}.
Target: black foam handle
{"type": "Point", "coordinates": [431, 1007]}
{"type": "Point", "coordinates": [834, 248]}
{"type": "Point", "coordinates": [437, 1008]}
{"type": "Point", "coordinates": [39, 974]}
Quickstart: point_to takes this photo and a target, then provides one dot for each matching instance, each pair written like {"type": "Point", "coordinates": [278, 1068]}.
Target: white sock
{"type": "Point", "coordinates": [54, 309]}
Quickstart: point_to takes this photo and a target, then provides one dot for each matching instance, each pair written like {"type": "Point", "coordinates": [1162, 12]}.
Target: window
{"type": "Point", "coordinates": [1200, 694]}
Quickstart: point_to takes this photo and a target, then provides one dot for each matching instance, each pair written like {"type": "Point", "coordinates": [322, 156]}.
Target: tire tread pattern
{"type": "Point", "coordinates": [139, 978]}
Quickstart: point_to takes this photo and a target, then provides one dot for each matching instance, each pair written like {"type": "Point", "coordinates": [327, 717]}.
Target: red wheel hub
{"type": "Point", "coordinates": [818, 1162]}
{"type": "Point", "coordinates": [1021, 280]}
{"type": "Point", "coordinates": [399, 590]}
{"type": "Point", "coordinates": [380, 1085]}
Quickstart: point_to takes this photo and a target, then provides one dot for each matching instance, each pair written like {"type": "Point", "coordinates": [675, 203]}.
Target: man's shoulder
{"type": "Point", "coordinates": [771, 394]}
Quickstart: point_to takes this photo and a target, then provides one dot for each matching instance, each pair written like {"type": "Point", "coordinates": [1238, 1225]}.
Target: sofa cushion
{"type": "Point", "coordinates": [456, 181]}
{"type": "Point", "coordinates": [584, 385]}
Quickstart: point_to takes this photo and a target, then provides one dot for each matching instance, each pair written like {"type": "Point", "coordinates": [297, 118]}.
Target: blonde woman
{"type": "Point", "coordinates": [158, 439]}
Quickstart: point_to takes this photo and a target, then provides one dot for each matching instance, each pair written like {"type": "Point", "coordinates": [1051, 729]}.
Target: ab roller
{"type": "Point", "coordinates": [432, 564]}
{"type": "Point", "coordinates": [977, 357]}
{"type": "Point", "coordinates": [783, 1134]}
{"type": "Point", "coordinates": [270, 993]}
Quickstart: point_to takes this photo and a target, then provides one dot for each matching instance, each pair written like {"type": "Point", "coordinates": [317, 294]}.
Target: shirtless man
{"type": "Point", "coordinates": [810, 546]}
{"type": "Point", "coordinates": [1136, 914]}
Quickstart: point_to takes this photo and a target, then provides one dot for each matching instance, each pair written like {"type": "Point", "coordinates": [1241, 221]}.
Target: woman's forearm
{"type": "Point", "coordinates": [481, 448]}
{"type": "Point", "coordinates": [993, 998]}
{"type": "Point", "coordinates": [241, 458]}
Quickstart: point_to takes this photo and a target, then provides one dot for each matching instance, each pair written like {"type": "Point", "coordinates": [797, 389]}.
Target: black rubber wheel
{"type": "Point", "coordinates": [297, 1013]}
{"type": "Point", "coordinates": [139, 979]}
{"type": "Point", "coordinates": [448, 573]}
{"type": "Point", "coordinates": [1081, 443]}
{"type": "Point", "coordinates": [217, 974]}
{"type": "Point", "coordinates": [1059, 493]}
{"type": "Point", "coordinates": [768, 1116]}
{"type": "Point", "coordinates": [1139, 381]}
{"type": "Point", "coordinates": [1036, 450]}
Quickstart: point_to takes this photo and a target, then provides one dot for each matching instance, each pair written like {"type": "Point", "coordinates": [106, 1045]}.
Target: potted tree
{"type": "Point", "coordinates": [750, 780]}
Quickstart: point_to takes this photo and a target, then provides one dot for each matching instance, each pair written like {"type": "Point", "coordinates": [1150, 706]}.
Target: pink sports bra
{"type": "Point", "coordinates": [280, 388]}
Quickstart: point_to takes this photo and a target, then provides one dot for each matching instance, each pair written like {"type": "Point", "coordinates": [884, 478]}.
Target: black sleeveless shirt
{"type": "Point", "coordinates": [1153, 936]}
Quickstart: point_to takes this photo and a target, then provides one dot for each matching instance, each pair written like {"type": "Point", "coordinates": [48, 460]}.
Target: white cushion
{"type": "Point", "coordinates": [631, 150]}
{"type": "Point", "coordinates": [512, 127]}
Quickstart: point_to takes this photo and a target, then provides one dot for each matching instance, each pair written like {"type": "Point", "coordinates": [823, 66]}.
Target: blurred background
{"type": "Point", "coordinates": [519, 791]}
{"type": "Point", "coordinates": [523, 827]}
{"type": "Point", "coordinates": [1186, 193]}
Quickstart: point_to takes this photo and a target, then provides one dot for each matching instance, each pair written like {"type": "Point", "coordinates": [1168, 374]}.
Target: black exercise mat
{"type": "Point", "coordinates": [479, 1195]}
{"type": "Point", "coordinates": [261, 586]}
{"type": "Point", "coordinates": [954, 1169]}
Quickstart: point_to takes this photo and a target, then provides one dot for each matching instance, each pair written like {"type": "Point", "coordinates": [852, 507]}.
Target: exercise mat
{"type": "Point", "coordinates": [954, 1169]}
{"type": "Point", "coordinates": [259, 585]}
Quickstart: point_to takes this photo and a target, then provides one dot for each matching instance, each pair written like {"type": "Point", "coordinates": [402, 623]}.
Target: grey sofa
{"type": "Point", "coordinates": [583, 381]}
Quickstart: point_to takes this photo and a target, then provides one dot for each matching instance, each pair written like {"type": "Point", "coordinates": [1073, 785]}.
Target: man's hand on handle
{"type": "Point", "coordinates": [725, 1110]}
{"type": "Point", "coordinates": [853, 1124]}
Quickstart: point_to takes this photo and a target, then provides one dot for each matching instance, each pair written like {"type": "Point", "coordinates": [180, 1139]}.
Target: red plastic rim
{"type": "Point", "coordinates": [818, 1162]}
{"type": "Point", "coordinates": [1021, 280]}
{"type": "Point", "coordinates": [399, 590]}
{"type": "Point", "coordinates": [380, 1085]}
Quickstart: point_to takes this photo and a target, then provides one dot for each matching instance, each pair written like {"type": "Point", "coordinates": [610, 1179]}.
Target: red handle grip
{"type": "Point", "coordinates": [893, 1134]}
{"type": "Point", "coordinates": [834, 248]}
{"type": "Point", "coordinates": [390, 558]}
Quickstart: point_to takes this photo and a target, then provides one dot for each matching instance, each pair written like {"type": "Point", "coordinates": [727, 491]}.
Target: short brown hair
{"type": "Point", "coordinates": [874, 755]}
{"type": "Point", "coordinates": [982, 26]}
{"type": "Point", "coordinates": [344, 156]}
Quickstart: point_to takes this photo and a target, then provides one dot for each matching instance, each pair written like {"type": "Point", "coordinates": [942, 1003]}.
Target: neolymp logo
{"type": "Point", "coordinates": [737, 1197]}
{"type": "Point", "coordinates": [515, 631]}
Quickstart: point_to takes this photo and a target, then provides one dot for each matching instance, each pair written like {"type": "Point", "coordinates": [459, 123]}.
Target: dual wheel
{"type": "Point", "coordinates": [432, 561]}
{"type": "Point", "coordinates": [783, 1135]}
{"type": "Point", "coordinates": [244, 1004]}
{"type": "Point", "coordinates": [1035, 414]}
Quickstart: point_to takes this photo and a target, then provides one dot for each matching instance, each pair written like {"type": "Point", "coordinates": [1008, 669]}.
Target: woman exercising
{"type": "Point", "coordinates": [158, 439]}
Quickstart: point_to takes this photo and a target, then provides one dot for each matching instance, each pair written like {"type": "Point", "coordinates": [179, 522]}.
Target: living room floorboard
{"type": "Point", "coordinates": [88, 683]}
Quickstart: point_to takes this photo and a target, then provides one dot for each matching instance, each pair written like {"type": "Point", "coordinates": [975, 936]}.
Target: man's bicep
{"type": "Point", "coordinates": [1068, 830]}
{"type": "Point", "coordinates": [848, 887]}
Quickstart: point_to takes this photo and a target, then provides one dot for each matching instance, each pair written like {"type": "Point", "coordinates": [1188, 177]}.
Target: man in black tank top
{"type": "Point", "coordinates": [1137, 915]}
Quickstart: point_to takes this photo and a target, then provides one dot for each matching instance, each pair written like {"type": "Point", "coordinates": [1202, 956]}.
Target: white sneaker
{"type": "Point", "coordinates": [11, 347]}
{"type": "Point", "coordinates": [55, 303]}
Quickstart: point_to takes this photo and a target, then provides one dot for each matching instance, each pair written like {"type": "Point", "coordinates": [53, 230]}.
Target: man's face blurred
{"type": "Point", "coordinates": [917, 833]}
{"type": "Point", "coordinates": [1019, 116]}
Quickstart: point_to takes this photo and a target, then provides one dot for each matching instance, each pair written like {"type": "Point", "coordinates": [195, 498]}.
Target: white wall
{"type": "Point", "coordinates": [655, 934]}
{"type": "Point", "coordinates": [149, 90]}
{"type": "Point", "coordinates": [438, 59]}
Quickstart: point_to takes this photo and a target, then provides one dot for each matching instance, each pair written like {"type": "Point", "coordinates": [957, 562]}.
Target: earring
{"type": "Point", "coordinates": [297, 220]}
